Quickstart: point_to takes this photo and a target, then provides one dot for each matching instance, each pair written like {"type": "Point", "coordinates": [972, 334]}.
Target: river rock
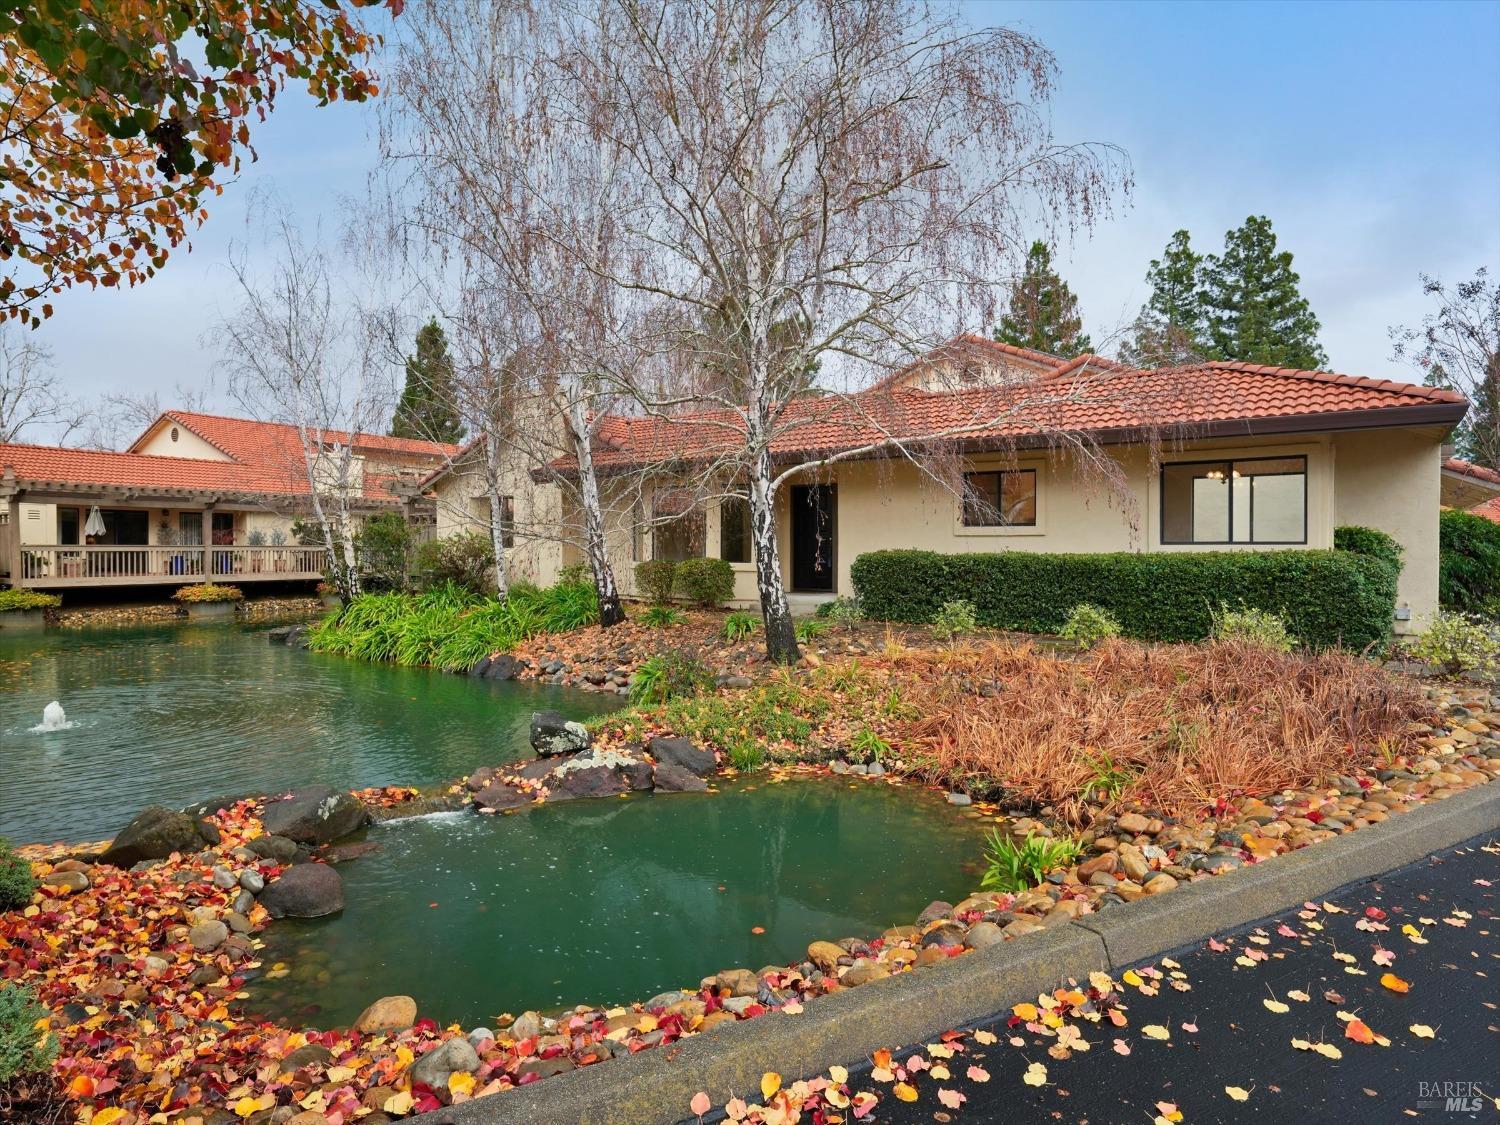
{"type": "Point", "coordinates": [155, 833]}
{"type": "Point", "coordinates": [208, 936]}
{"type": "Point", "coordinates": [452, 1056]}
{"type": "Point", "coordinates": [225, 879]}
{"type": "Point", "coordinates": [72, 880]}
{"type": "Point", "coordinates": [499, 795]}
{"type": "Point", "coordinates": [502, 667]}
{"type": "Point", "coordinates": [389, 1013]}
{"type": "Point", "coordinates": [528, 1025]}
{"type": "Point", "coordinates": [277, 848]}
{"type": "Point", "coordinates": [825, 955]}
{"type": "Point", "coordinates": [590, 781]}
{"type": "Point", "coordinates": [308, 890]}
{"type": "Point", "coordinates": [553, 736]}
{"type": "Point", "coordinates": [740, 982]}
{"type": "Point", "coordinates": [252, 881]}
{"type": "Point", "coordinates": [317, 815]}
{"type": "Point", "coordinates": [983, 934]}
{"type": "Point", "coordinates": [313, 1053]}
{"type": "Point", "coordinates": [669, 777]}
{"type": "Point", "coordinates": [1132, 823]}
{"type": "Point", "coordinates": [682, 752]}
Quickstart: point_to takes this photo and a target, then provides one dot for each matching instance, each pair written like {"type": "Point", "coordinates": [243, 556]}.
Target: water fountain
{"type": "Point", "coordinates": [53, 718]}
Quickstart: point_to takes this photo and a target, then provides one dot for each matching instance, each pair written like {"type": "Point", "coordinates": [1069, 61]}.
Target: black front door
{"type": "Point", "coordinates": [813, 525]}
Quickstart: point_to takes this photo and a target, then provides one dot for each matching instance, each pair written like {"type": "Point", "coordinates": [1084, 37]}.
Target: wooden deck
{"type": "Point", "coordinates": [60, 567]}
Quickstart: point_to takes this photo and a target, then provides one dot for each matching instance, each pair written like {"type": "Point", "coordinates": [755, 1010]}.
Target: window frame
{"type": "Point", "coordinates": [1231, 462]}
{"type": "Point", "coordinates": [749, 536]}
{"type": "Point", "coordinates": [981, 528]}
{"type": "Point", "coordinates": [507, 522]}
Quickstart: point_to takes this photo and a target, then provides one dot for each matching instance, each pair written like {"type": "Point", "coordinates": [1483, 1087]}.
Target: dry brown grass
{"type": "Point", "coordinates": [1179, 725]}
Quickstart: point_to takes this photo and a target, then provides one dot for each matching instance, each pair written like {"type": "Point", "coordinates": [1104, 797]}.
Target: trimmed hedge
{"type": "Point", "coordinates": [706, 582]}
{"type": "Point", "coordinates": [1368, 541]}
{"type": "Point", "coordinates": [1327, 597]}
{"type": "Point", "coordinates": [1468, 561]}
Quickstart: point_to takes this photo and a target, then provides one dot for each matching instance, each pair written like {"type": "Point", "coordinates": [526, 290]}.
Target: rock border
{"type": "Point", "coordinates": [911, 1007]}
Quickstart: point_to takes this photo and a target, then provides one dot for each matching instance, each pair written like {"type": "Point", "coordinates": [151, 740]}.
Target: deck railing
{"type": "Point", "coordinates": [106, 565]}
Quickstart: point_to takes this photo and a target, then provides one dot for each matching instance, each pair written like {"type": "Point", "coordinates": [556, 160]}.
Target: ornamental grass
{"type": "Point", "coordinates": [1176, 727]}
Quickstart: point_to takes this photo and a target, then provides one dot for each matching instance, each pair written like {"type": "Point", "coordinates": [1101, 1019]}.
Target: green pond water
{"type": "Point", "coordinates": [178, 713]}
{"type": "Point", "coordinates": [609, 901]}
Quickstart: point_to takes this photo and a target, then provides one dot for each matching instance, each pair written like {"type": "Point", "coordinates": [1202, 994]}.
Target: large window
{"type": "Point", "coordinates": [1261, 501]}
{"type": "Point", "coordinates": [734, 529]}
{"type": "Point", "coordinates": [1003, 499]}
{"type": "Point", "coordinates": [677, 526]}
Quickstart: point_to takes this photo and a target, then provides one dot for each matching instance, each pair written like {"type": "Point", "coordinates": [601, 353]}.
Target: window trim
{"type": "Point", "coordinates": [982, 528]}
{"type": "Point", "coordinates": [724, 502]}
{"type": "Point", "coordinates": [1232, 542]}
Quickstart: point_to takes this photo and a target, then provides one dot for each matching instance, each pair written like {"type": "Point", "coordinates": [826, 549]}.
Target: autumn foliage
{"type": "Point", "coordinates": [113, 134]}
{"type": "Point", "coordinates": [1176, 727]}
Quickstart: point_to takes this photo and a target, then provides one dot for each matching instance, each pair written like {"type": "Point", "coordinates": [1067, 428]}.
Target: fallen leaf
{"type": "Point", "coordinates": [1420, 1030]}
{"type": "Point", "coordinates": [700, 1104]}
{"type": "Point", "coordinates": [1276, 1006]}
{"type": "Point", "coordinates": [1036, 1075]}
{"type": "Point", "coordinates": [770, 1082]}
{"type": "Point", "coordinates": [1394, 983]}
{"type": "Point", "coordinates": [984, 1038]}
{"type": "Point", "coordinates": [905, 1091]}
{"type": "Point", "coordinates": [950, 1098]}
{"type": "Point", "coordinates": [979, 1074]}
{"type": "Point", "coordinates": [1238, 1093]}
{"type": "Point", "coordinates": [1359, 1031]}
{"type": "Point", "coordinates": [838, 1074]}
{"type": "Point", "coordinates": [1155, 1031]}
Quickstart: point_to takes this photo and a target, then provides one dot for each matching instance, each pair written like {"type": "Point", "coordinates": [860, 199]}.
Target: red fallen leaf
{"type": "Point", "coordinates": [1358, 1031]}
{"type": "Point", "coordinates": [1315, 816]}
{"type": "Point", "coordinates": [1376, 913]}
{"type": "Point", "coordinates": [757, 929]}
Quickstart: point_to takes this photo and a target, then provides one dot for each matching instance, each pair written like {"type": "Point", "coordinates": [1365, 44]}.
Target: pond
{"type": "Point", "coordinates": [615, 900]}
{"type": "Point", "coordinates": [176, 713]}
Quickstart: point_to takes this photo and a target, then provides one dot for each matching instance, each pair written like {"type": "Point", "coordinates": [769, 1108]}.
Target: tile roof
{"type": "Point", "coordinates": [1089, 395]}
{"type": "Point", "coordinates": [1469, 469]}
{"type": "Point", "coordinates": [974, 347]}
{"type": "Point", "coordinates": [266, 460]}
{"type": "Point", "coordinates": [1490, 510]}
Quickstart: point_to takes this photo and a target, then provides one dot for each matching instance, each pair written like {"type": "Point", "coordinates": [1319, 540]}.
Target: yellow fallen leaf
{"type": "Point", "coordinates": [905, 1091]}
{"type": "Point", "coordinates": [460, 1083]}
{"type": "Point", "coordinates": [1414, 934]}
{"type": "Point", "coordinates": [340, 1074]}
{"type": "Point", "coordinates": [1420, 1030]}
{"type": "Point", "coordinates": [940, 1050]}
{"type": "Point", "coordinates": [107, 1116]}
{"type": "Point", "coordinates": [770, 1082]}
{"type": "Point", "coordinates": [1155, 1031]}
{"type": "Point", "coordinates": [940, 1072]}
{"type": "Point", "coordinates": [399, 1103]}
{"type": "Point", "coordinates": [1036, 1075]}
{"type": "Point", "coordinates": [1132, 978]}
{"type": "Point", "coordinates": [1328, 1050]}
{"type": "Point", "coordinates": [647, 1024]}
{"type": "Point", "coordinates": [1238, 1093]}
{"type": "Point", "coordinates": [1394, 983]}
{"type": "Point", "coordinates": [838, 1074]}
{"type": "Point", "coordinates": [1027, 1012]}
{"type": "Point", "coordinates": [246, 1106]}
{"type": "Point", "coordinates": [984, 1038]}
{"type": "Point", "coordinates": [1299, 995]}
{"type": "Point", "coordinates": [1276, 1006]}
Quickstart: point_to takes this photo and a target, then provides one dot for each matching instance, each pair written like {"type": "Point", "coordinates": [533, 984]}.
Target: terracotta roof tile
{"type": "Point", "coordinates": [1469, 469]}
{"type": "Point", "coordinates": [255, 442]}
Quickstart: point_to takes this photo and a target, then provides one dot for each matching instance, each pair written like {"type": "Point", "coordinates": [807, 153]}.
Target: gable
{"type": "Point", "coordinates": [167, 437]}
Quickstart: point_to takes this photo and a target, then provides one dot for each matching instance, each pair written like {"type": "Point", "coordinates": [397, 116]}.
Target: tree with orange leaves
{"type": "Point", "coordinates": [119, 117]}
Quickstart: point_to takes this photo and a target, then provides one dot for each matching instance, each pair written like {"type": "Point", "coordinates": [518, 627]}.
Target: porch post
{"type": "Point", "coordinates": [208, 543]}
{"type": "Point", "coordinates": [12, 540]}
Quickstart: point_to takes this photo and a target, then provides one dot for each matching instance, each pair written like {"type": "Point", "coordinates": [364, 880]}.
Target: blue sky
{"type": "Point", "coordinates": [1368, 132]}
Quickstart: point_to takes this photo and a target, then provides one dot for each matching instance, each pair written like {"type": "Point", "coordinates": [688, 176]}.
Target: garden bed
{"type": "Point", "coordinates": [1175, 814]}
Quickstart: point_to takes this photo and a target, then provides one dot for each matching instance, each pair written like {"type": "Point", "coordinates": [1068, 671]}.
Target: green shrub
{"type": "Point", "coordinates": [1468, 561]}
{"type": "Point", "coordinates": [1327, 597]}
{"type": "Point", "coordinates": [1253, 626]}
{"type": "Point", "coordinates": [662, 616]}
{"type": "Point", "coordinates": [24, 1048]}
{"type": "Point", "coordinates": [655, 578]}
{"type": "Point", "coordinates": [17, 884]}
{"type": "Point", "coordinates": [841, 611]}
{"type": "Point", "coordinates": [575, 574]}
{"type": "Point", "coordinates": [740, 625]}
{"type": "Point", "coordinates": [708, 583]}
{"type": "Point", "coordinates": [383, 549]}
{"type": "Point", "coordinates": [1368, 541]}
{"type": "Point", "coordinates": [1459, 642]}
{"type": "Point", "coordinates": [1015, 867]}
{"type": "Point", "coordinates": [208, 592]}
{"type": "Point", "coordinates": [23, 600]}
{"type": "Point", "coordinates": [953, 618]}
{"type": "Point", "coordinates": [867, 746]}
{"type": "Point", "coordinates": [669, 675]}
{"type": "Point", "coordinates": [811, 628]}
{"type": "Point", "coordinates": [466, 560]}
{"type": "Point", "coordinates": [1087, 625]}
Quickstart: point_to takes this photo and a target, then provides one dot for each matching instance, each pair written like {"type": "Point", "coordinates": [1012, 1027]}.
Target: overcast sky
{"type": "Point", "coordinates": [1368, 132]}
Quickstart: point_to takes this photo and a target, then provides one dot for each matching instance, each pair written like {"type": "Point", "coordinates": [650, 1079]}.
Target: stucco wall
{"type": "Point", "coordinates": [463, 505]}
{"type": "Point", "coordinates": [188, 444]}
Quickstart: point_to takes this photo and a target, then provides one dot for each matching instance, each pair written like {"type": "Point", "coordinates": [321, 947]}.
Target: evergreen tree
{"type": "Point", "coordinates": [1043, 312]}
{"type": "Point", "coordinates": [1170, 327]}
{"type": "Point", "coordinates": [1253, 309]}
{"type": "Point", "coordinates": [426, 410]}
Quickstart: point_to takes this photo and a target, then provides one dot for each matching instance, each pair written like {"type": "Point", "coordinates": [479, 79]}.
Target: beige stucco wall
{"type": "Point", "coordinates": [463, 505]}
{"type": "Point", "coordinates": [188, 444]}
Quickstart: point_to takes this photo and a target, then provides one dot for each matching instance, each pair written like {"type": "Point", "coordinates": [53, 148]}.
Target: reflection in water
{"type": "Point", "coordinates": [615, 900]}
{"type": "Point", "coordinates": [179, 713]}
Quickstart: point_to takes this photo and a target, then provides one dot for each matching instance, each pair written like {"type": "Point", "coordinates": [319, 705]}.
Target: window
{"type": "Point", "coordinates": [1261, 501]}
{"type": "Point", "coordinates": [1006, 499]}
{"type": "Point", "coordinates": [734, 529]}
{"type": "Point", "coordinates": [677, 531]}
{"type": "Point", "coordinates": [67, 526]}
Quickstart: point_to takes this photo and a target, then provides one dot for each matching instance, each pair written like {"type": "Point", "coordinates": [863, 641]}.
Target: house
{"type": "Point", "coordinates": [1471, 488]}
{"type": "Point", "coordinates": [1027, 452]}
{"type": "Point", "coordinates": [196, 497]}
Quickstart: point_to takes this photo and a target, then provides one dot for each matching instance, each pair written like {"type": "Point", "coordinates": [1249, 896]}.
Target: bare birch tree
{"type": "Point", "coordinates": [510, 198]}
{"type": "Point", "coordinates": [301, 350]}
{"type": "Point", "coordinates": [861, 171]}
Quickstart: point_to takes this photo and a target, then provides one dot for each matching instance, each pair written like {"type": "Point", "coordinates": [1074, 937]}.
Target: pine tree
{"type": "Point", "coordinates": [1170, 327]}
{"type": "Point", "coordinates": [1043, 312]}
{"type": "Point", "coordinates": [426, 409]}
{"type": "Point", "coordinates": [1254, 311]}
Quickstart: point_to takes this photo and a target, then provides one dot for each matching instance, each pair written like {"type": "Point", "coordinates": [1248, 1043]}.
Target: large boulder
{"type": "Point", "coordinates": [681, 752]}
{"type": "Point", "coordinates": [498, 795]}
{"type": "Point", "coordinates": [277, 848]}
{"type": "Point", "coordinates": [314, 816]}
{"type": "Point", "coordinates": [589, 781]}
{"type": "Point", "coordinates": [389, 1013]}
{"type": "Point", "coordinates": [502, 667]}
{"type": "Point", "coordinates": [308, 890]}
{"type": "Point", "coordinates": [452, 1056]}
{"type": "Point", "coordinates": [155, 833]}
{"type": "Point", "coordinates": [672, 778]}
{"type": "Point", "coordinates": [553, 736]}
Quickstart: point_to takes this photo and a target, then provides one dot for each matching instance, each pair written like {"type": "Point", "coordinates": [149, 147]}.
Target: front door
{"type": "Point", "coordinates": [814, 521]}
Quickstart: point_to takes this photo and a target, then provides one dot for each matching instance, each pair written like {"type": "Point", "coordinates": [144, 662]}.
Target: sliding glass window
{"type": "Point", "coordinates": [1222, 502]}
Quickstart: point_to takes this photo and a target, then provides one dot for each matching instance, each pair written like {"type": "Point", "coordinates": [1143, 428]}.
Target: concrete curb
{"type": "Point", "coordinates": [656, 1085]}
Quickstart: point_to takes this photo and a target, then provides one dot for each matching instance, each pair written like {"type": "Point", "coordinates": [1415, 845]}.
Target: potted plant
{"type": "Point", "coordinates": [26, 609]}
{"type": "Point", "coordinates": [278, 540]}
{"type": "Point", "coordinates": [256, 538]}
